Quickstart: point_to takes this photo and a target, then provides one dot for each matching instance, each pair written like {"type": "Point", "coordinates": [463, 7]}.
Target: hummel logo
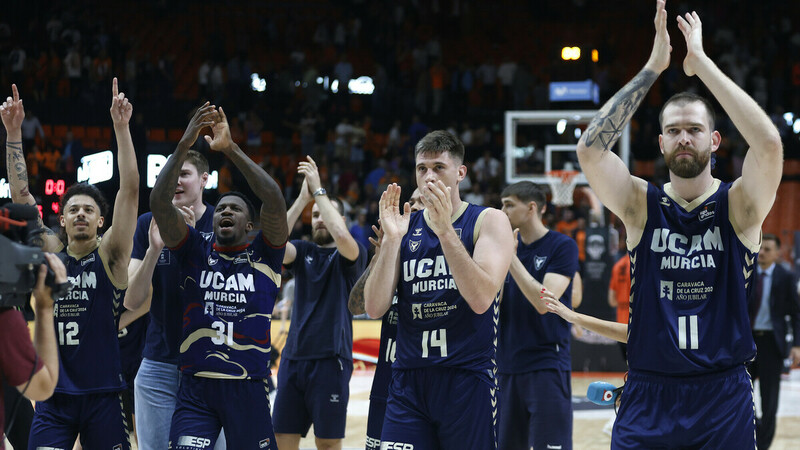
{"type": "Point", "coordinates": [665, 201]}
{"type": "Point", "coordinates": [417, 232]}
{"type": "Point", "coordinates": [334, 398]}
{"type": "Point", "coordinates": [309, 259]}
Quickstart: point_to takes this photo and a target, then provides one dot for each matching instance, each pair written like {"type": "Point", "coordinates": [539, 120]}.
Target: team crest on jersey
{"type": "Point", "coordinates": [416, 311]}
{"type": "Point", "coordinates": [309, 259]}
{"type": "Point", "coordinates": [666, 290]}
{"type": "Point", "coordinates": [117, 447]}
{"type": "Point", "coordinates": [209, 310]}
{"type": "Point", "coordinates": [212, 261]}
{"type": "Point", "coordinates": [538, 262]}
{"type": "Point", "coordinates": [417, 232]}
{"type": "Point", "coordinates": [665, 200]}
{"type": "Point", "coordinates": [708, 211]}
{"type": "Point", "coordinates": [413, 245]}
{"type": "Point", "coordinates": [264, 443]}
{"type": "Point", "coordinates": [207, 235]}
{"type": "Point", "coordinates": [87, 260]}
{"type": "Point", "coordinates": [458, 232]}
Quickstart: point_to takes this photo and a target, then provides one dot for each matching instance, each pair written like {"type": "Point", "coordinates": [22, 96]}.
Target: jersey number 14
{"type": "Point", "coordinates": [437, 338]}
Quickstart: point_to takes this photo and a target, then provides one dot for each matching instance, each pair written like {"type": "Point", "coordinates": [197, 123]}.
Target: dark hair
{"type": "Point", "coordinates": [251, 210]}
{"type": "Point", "coordinates": [684, 98]}
{"type": "Point", "coordinates": [85, 189]}
{"type": "Point", "coordinates": [440, 141]}
{"type": "Point", "coordinates": [199, 161]}
{"type": "Point", "coordinates": [772, 237]}
{"type": "Point", "coordinates": [526, 191]}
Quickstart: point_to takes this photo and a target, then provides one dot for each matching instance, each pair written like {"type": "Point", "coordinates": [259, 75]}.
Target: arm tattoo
{"type": "Point", "coordinates": [15, 146]}
{"type": "Point", "coordinates": [356, 301]}
{"type": "Point", "coordinates": [22, 171]}
{"type": "Point", "coordinates": [607, 125]}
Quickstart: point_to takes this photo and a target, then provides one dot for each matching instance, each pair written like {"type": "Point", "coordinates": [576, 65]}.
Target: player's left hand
{"type": "Point", "coordinates": [309, 170]}
{"type": "Point", "coordinates": [692, 30]}
{"type": "Point", "coordinates": [221, 141]}
{"type": "Point", "coordinates": [121, 108]}
{"type": "Point", "coordinates": [435, 198]}
{"type": "Point", "coordinates": [376, 241]}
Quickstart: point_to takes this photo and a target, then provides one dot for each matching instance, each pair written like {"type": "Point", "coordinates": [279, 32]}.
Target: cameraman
{"type": "Point", "coordinates": [33, 369]}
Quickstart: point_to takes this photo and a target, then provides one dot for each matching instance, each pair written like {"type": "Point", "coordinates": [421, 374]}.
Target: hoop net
{"type": "Point", "coordinates": [562, 185]}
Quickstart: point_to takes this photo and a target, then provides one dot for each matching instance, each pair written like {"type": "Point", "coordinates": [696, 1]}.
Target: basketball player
{"type": "Point", "coordinates": [533, 351]}
{"type": "Point", "coordinates": [152, 274]}
{"type": "Point", "coordinates": [692, 247]}
{"type": "Point", "coordinates": [447, 263]}
{"type": "Point", "coordinates": [228, 294]}
{"type": "Point", "coordinates": [317, 360]}
{"type": "Point", "coordinates": [87, 397]}
{"type": "Point", "coordinates": [386, 350]}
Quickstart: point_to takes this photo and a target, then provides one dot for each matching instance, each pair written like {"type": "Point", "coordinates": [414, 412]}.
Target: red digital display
{"type": "Point", "coordinates": [55, 207]}
{"type": "Point", "coordinates": [54, 187]}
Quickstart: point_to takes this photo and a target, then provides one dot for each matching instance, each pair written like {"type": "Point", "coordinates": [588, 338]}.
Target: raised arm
{"type": "Point", "coordinates": [118, 241]}
{"type": "Point", "coordinates": [334, 221]}
{"type": "Point", "coordinates": [294, 212]}
{"type": "Point", "coordinates": [140, 272]}
{"type": "Point", "coordinates": [355, 303]}
{"type": "Point", "coordinates": [753, 194]}
{"type": "Point", "coordinates": [273, 206]}
{"type": "Point", "coordinates": [624, 194]}
{"type": "Point", "coordinates": [171, 224]}
{"type": "Point", "coordinates": [12, 113]}
{"type": "Point", "coordinates": [380, 286]}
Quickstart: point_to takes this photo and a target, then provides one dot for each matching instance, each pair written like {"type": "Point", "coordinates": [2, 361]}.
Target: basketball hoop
{"type": "Point", "coordinates": [562, 185]}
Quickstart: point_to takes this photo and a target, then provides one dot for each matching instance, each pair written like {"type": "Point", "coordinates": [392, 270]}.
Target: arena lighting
{"type": "Point", "coordinates": [96, 168]}
{"type": "Point", "coordinates": [335, 86]}
{"type": "Point", "coordinates": [571, 53]}
{"type": "Point", "coordinates": [156, 162]}
{"type": "Point", "coordinates": [561, 125]}
{"type": "Point", "coordinates": [361, 85]}
{"type": "Point", "coordinates": [595, 55]}
{"type": "Point", "coordinates": [5, 188]}
{"type": "Point", "coordinates": [796, 126]}
{"type": "Point", "coordinates": [577, 133]}
{"type": "Point", "coordinates": [789, 118]}
{"type": "Point", "coordinates": [257, 83]}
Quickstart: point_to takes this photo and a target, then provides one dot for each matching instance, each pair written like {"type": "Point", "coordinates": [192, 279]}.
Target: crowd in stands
{"type": "Point", "coordinates": [453, 64]}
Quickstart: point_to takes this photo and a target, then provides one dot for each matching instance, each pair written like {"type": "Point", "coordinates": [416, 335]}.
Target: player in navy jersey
{"type": "Point", "coordinates": [152, 274]}
{"type": "Point", "coordinates": [386, 349]}
{"type": "Point", "coordinates": [87, 398]}
{"type": "Point", "coordinates": [447, 263]}
{"type": "Point", "coordinates": [533, 352]}
{"type": "Point", "coordinates": [692, 246]}
{"type": "Point", "coordinates": [228, 289]}
{"type": "Point", "coordinates": [317, 360]}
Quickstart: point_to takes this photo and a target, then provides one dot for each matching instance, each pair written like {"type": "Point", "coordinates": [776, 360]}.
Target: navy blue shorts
{"type": "Point", "coordinates": [205, 405]}
{"type": "Point", "coordinates": [709, 411]}
{"type": "Point", "coordinates": [96, 417]}
{"type": "Point", "coordinates": [440, 408]}
{"type": "Point", "coordinates": [313, 391]}
{"type": "Point", "coordinates": [377, 411]}
{"type": "Point", "coordinates": [535, 410]}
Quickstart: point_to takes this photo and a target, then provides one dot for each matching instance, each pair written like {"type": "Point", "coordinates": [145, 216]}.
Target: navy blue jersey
{"type": "Point", "coordinates": [528, 340]}
{"type": "Point", "coordinates": [690, 274]}
{"type": "Point", "coordinates": [386, 355]}
{"type": "Point", "coordinates": [86, 328]}
{"type": "Point", "coordinates": [228, 296]}
{"type": "Point", "coordinates": [164, 332]}
{"type": "Point", "coordinates": [131, 343]}
{"type": "Point", "coordinates": [436, 326]}
{"type": "Point", "coordinates": [322, 326]}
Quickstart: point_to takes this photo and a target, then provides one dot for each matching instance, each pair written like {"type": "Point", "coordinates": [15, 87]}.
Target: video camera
{"type": "Point", "coordinates": [20, 254]}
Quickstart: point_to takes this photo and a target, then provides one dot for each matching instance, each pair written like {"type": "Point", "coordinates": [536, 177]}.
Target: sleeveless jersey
{"type": "Point", "coordinates": [386, 355]}
{"type": "Point", "coordinates": [86, 322]}
{"type": "Point", "coordinates": [690, 275]}
{"type": "Point", "coordinates": [228, 296]}
{"type": "Point", "coordinates": [436, 326]}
